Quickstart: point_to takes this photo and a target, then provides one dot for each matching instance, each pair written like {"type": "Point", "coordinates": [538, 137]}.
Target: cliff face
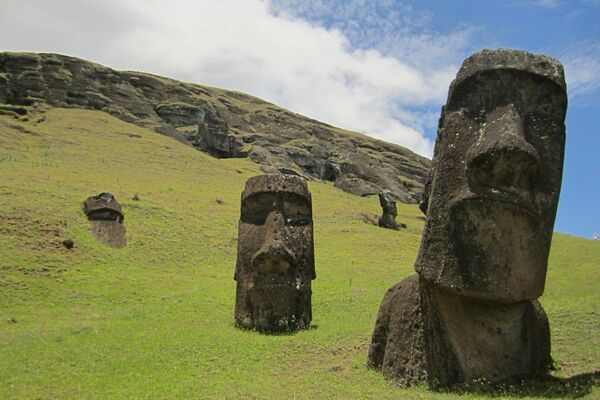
{"type": "Point", "coordinates": [222, 123]}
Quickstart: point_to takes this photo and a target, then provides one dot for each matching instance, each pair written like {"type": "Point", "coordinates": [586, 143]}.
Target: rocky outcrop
{"type": "Point", "coordinates": [3, 89]}
{"type": "Point", "coordinates": [222, 123]}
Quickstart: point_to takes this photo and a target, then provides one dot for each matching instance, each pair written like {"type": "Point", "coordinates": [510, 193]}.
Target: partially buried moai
{"type": "Point", "coordinates": [275, 259]}
{"type": "Point", "coordinates": [471, 314]}
{"type": "Point", "coordinates": [106, 217]}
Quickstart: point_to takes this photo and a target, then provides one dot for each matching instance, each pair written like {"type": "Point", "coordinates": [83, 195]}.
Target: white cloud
{"type": "Point", "coordinates": [246, 46]}
{"type": "Point", "coordinates": [582, 63]}
{"type": "Point", "coordinates": [541, 3]}
{"type": "Point", "coordinates": [393, 27]}
{"type": "Point", "coordinates": [546, 3]}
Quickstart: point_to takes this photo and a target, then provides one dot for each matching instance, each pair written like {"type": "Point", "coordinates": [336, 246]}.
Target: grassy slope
{"type": "Point", "coordinates": [154, 320]}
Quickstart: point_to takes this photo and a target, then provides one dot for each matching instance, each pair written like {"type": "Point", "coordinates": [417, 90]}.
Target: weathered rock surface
{"type": "Point", "coordinates": [471, 314]}
{"type": "Point", "coordinates": [3, 89]}
{"type": "Point", "coordinates": [106, 218]}
{"type": "Point", "coordinates": [103, 207]}
{"type": "Point", "coordinates": [222, 123]}
{"type": "Point", "coordinates": [275, 259]}
{"type": "Point", "coordinates": [389, 211]}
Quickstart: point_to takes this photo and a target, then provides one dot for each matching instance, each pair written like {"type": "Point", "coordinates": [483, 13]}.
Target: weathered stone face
{"type": "Point", "coordinates": [496, 178]}
{"type": "Point", "coordinates": [389, 210]}
{"type": "Point", "coordinates": [275, 262]}
{"type": "Point", "coordinates": [106, 218]}
{"type": "Point", "coordinates": [103, 207]}
{"type": "Point", "coordinates": [470, 315]}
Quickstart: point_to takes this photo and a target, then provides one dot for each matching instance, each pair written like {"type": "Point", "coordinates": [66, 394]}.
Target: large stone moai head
{"type": "Point", "coordinates": [275, 259]}
{"type": "Point", "coordinates": [493, 190]}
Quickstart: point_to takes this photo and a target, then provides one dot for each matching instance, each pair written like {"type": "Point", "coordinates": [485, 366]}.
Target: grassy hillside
{"type": "Point", "coordinates": [155, 319]}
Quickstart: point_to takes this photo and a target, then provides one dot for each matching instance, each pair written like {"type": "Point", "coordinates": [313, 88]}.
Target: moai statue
{"type": "Point", "coordinates": [275, 258]}
{"type": "Point", "coordinates": [106, 217]}
{"type": "Point", "coordinates": [470, 313]}
{"type": "Point", "coordinates": [388, 205]}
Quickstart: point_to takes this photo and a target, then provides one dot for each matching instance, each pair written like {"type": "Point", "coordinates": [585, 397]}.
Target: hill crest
{"type": "Point", "coordinates": [222, 123]}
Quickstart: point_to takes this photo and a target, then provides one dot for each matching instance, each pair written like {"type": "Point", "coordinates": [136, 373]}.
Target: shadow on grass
{"type": "Point", "coordinates": [546, 387]}
{"type": "Point", "coordinates": [276, 333]}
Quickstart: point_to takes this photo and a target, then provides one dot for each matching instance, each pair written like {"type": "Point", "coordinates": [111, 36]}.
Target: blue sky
{"type": "Point", "coordinates": [567, 30]}
{"type": "Point", "coordinates": [380, 67]}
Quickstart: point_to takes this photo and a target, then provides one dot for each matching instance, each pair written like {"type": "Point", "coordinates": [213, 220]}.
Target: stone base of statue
{"type": "Point", "coordinates": [423, 335]}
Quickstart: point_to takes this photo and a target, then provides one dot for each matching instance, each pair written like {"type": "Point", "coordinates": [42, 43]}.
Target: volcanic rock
{"type": "Point", "coordinates": [106, 218]}
{"type": "Point", "coordinates": [221, 123]}
{"type": "Point", "coordinates": [470, 314]}
{"type": "Point", "coordinates": [275, 258]}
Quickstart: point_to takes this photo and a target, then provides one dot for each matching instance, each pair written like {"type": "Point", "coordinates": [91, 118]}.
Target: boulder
{"type": "Point", "coordinates": [355, 185]}
{"type": "Point", "coordinates": [180, 114]}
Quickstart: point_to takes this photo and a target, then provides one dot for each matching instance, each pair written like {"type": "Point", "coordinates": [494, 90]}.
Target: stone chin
{"type": "Point", "coordinates": [502, 252]}
{"type": "Point", "coordinates": [276, 307]}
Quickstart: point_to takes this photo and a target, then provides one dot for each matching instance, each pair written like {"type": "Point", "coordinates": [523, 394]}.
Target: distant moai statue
{"type": "Point", "coordinates": [106, 217]}
{"type": "Point", "coordinates": [275, 258]}
{"type": "Point", "coordinates": [388, 206]}
{"type": "Point", "coordinates": [470, 313]}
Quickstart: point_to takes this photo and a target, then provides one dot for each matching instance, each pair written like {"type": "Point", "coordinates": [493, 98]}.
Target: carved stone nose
{"type": "Point", "coordinates": [502, 158]}
{"type": "Point", "coordinates": [273, 256]}
{"type": "Point", "coordinates": [274, 226]}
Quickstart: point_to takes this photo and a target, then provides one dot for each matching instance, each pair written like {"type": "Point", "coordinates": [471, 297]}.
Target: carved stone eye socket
{"type": "Point", "coordinates": [296, 212]}
{"type": "Point", "coordinates": [489, 90]}
{"type": "Point", "coordinates": [256, 209]}
{"type": "Point", "coordinates": [294, 209]}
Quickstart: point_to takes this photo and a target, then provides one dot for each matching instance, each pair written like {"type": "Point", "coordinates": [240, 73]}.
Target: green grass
{"type": "Point", "coordinates": [155, 319]}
